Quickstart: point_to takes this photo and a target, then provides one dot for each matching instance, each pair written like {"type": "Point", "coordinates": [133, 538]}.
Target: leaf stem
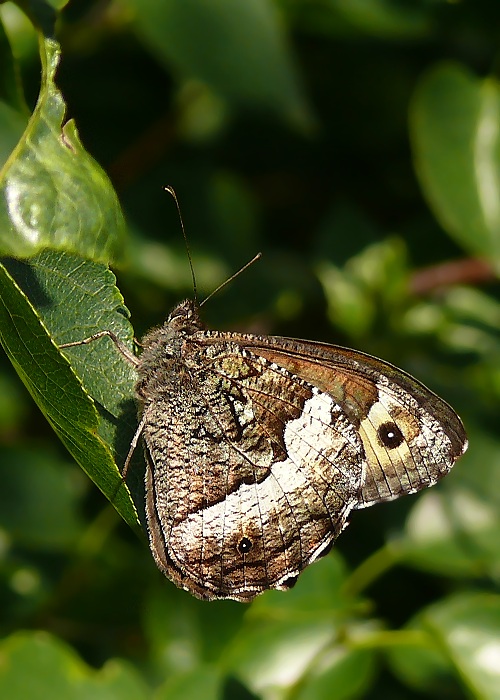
{"type": "Point", "coordinates": [371, 569]}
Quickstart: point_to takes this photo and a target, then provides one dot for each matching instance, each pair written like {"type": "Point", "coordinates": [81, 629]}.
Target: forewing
{"type": "Point", "coordinates": [411, 437]}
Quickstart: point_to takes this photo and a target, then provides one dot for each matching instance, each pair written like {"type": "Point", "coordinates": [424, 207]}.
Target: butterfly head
{"type": "Point", "coordinates": [165, 342]}
{"type": "Point", "coordinates": [185, 318]}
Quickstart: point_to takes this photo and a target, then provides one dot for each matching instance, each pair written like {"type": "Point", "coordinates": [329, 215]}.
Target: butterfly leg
{"type": "Point", "coordinates": [120, 346]}
{"type": "Point", "coordinates": [133, 445]}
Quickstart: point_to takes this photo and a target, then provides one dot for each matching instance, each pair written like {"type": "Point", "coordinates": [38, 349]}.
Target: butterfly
{"type": "Point", "coordinates": [259, 447]}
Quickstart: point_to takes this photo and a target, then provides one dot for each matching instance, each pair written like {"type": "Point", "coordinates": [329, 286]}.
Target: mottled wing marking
{"type": "Point", "coordinates": [424, 456]}
{"type": "Point", "coordinates": [374, 394]}
{"type": "Point", "coordinates": [284, 471]}
{"type": "Point", "coordinates": [259, 447]}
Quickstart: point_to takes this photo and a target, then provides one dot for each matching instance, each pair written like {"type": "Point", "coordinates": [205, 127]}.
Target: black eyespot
{"type": "Point", "coordinates": [244, 545]}
{"type": "Point", "coordinates": [390, 435]}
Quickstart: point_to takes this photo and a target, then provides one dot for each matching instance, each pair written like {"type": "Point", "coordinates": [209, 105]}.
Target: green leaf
{"type": "Point", "coordinates": [383, 18]}
{"type": "Point", "coordinates": [421, 665]}
{"type": "Point", "coordinates": [467, 627]}
{"type": "Point", "coordinates": [70, 295]}
{"type": "Point", "coordinates": [37, 666]}
{"type": "Point", "coordinates": [453, 530]}
{"type": "Point", "coordinates": [41, 13]}
{"type": "Point", "coordinates": [463, 633]}
{"type": "Point", "coordinates": [373, 278]}
{"type": "Point", "coordinates": [238, 49]}
{"type": "Point", "coordinates": [349, 671]}
{"type": "Point", "coordinates": [272, 656]}
{"type": "Point", "coordinates": [52, 193]}
{"type": "Point", "coordinates": [10, 88]}
{"type": "Point", "coordinates": [37, 499]}
{"type": "Point", "coordinates": [13, 111]}
{"type": "Point", "coordinates": [452, 533]}
{"type": "Point", "coordinates": [298, 644]}
{"type": "Point", "coordinates": [201, 682]}
{"type": "Point", "coordinates": [320, 593]}
{"type": "Point", "coordinates": [176, 627]}
{"type": "Point", "coordinates": [456, 146]}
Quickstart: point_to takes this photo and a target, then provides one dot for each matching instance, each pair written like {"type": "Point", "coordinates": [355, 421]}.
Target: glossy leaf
{"type": "Point", "coordinates": [52, 193]}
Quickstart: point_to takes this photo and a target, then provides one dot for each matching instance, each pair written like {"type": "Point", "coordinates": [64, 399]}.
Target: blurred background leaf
{"type": "Point", "coordinates": [356, 144]}
{"type": "Point", "coordinates": [260, 72]}
{"type": "Point", "coordinates": [456, 137]}
{"type": "Point", "coordinates": [38, 665]}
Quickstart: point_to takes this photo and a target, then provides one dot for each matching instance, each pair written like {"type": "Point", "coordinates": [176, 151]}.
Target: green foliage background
{"type": "Point", "coordinates": [357, 145]}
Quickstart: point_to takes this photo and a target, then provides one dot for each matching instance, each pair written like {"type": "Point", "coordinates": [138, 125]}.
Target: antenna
{"type": "Point", "coordinates": [230, 279]}
{"type": "Point", "coordinates": [171, 191]}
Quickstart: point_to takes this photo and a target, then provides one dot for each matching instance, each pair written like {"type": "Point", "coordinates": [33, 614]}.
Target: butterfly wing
{"type": "Point", "coordinates": [411, 437]}
{"type": "Point", "coordinates": [254, 476]}
{"type": "Point", "coordinates": [258, 448]}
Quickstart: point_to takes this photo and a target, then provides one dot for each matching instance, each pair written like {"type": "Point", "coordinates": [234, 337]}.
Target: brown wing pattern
{"type": "Point", "coordinates": [254, 478]}
{"type": "Point", "coordinates": [411, 437]}
{"type": "Point", "coordinates": [258, 448]}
